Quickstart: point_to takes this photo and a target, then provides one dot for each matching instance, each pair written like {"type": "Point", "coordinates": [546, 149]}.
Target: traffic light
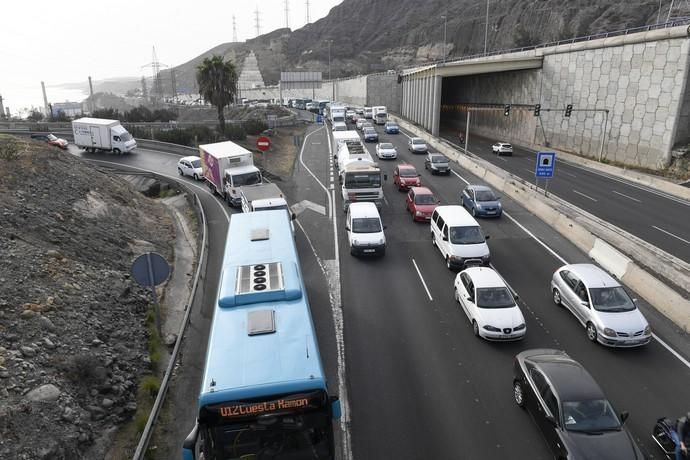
{"type": "Point", "coordinates": [568, 110]}
{"type": "Point", "coordinates": [506, 110]}
{"type": "Point", "coordinates": [537, 108]}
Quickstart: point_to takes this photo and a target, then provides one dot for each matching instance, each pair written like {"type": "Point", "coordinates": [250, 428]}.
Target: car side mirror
{"type": "Point", "coordinates": [385, 177]}
{"type": "Point", "coordinates": [293, 216]}
{"type": "Point", "coordinates": [445, 238]}
{"type": "Point", "coordinates": [347, 227]}
{"type": "Point", "coordinates": [438, 201]}
{"type": "Point", "coordinates": [336, 410]}
{"type": "Point", "coordinates": [385, 227]}
{"type": "Point", "coordinates": [624, 416]}
{"type": "Point", "coordinates": [635, 299]}
{"type": "Point", "coordinates": [487, 237]}
{"type": "Point", "coordinates": [584, 303]}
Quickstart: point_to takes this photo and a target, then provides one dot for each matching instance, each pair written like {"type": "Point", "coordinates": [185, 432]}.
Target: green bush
{"type": "Point", "coordinates": [235, 133]}
{"type": "Point", "coordinates": [254, 127]}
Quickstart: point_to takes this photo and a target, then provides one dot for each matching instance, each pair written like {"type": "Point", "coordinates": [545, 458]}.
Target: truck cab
{"type": "Point", "coordinates": [234, 178]}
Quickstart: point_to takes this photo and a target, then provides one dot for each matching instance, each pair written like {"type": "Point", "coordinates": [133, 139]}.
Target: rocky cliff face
{"type": "Point", "coordinates": [378, 35]}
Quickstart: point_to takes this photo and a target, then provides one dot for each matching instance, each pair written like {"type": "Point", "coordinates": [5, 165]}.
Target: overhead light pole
{"type": "Point", "coordinates": [445, 22]}
{"type": "Point", "coordinates": [329, 69]}
{"type": "Point", "coordinates": [486, 27]}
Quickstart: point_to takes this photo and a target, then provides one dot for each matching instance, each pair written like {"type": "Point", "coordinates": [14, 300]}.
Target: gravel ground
{"type": "Point", "coordinates": [73, 338]}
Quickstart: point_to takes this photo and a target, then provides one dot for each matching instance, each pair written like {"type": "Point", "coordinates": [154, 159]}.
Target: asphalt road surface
{"type": "Point", "coordinates": [655, 217]}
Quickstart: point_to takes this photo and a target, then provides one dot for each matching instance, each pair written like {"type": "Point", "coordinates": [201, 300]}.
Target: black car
{"type": "Point", "coordinates": [570, 409]}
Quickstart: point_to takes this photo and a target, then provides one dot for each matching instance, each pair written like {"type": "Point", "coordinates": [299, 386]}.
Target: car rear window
{"type": "Point", "coordinates": [408, 172]}
{"type": "Point", "coordinates": [439, 159]}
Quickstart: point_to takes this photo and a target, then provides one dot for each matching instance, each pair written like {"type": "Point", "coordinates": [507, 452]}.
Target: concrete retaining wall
{"type": "Point", "coordinates": [591, 235]}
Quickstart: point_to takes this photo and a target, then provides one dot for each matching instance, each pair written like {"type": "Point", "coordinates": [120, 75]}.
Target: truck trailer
{"type": "Point", "coordinates": [94, 134]}
{"type": "Point", "coordinates": [227, 167]}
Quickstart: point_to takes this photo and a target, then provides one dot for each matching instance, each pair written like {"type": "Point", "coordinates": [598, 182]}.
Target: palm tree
{"type": "Point", "coordinates": [217, 81]}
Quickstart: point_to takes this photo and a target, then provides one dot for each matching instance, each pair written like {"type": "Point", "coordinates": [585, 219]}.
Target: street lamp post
{"type": "Point", "coordinates": [329, 70]}
{"type": "Point", "coordinates": [486, 27]}
{"type": "Point", "coordinates": [445, 22]}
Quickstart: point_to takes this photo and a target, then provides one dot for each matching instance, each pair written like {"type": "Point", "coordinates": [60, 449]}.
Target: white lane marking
{"type": "Point", "coordinates": [193, 184]}
{"type": "Point", "coordinates": [564, 262]}
{"type": "Point", "coordinates": [567, 174]}
{"type": "Point", "coordinates": [630, 184]}
{"type": "Point", "coordinates": [460, 177]}
{"type": "Point", "coordinates": [422, 279]}
{"type": "Point", "coordinates": [502, 159]}
{"type": "Point", "coordinates": [586, 196]}
{"type": "Point", "coordinates": [531, 171]}
{"type": "Point", "coordinates": [626, 196]}
{"type": "Point", "coordinates": [301, 160]}
{"type": "Point", "coordinates": [671, 234]}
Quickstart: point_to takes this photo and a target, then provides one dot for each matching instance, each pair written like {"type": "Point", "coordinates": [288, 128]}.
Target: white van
{"type": "Point", "coordinates": [339, 126]}
{"type": "Point", "coordinates": [459, 238]}
{"type": "Point", "coordinates": [365, 230]}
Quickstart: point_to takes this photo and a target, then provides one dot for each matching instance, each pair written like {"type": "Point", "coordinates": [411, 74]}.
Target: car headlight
{"type": "Point", "coordinates": [354, 242]}
{"type": "Point", "coordinates": [486, 257]}
{"type": "Point", "coordinates": [380, 240]}
{"type": "Point", "coordinates": [478, 205]}
{"type": "Point", "coordinates": [418, 213]}
{"type": "Point", "coordinates": [609, 332]}
{"type": "Point", "coordinates": [519, 327]}
{"type": "Point", "coordinates": [491, 328]}
{"type": "Point", "coordinates": [647, 330]}
{"type": "Point", "coordinates": [498, 205]}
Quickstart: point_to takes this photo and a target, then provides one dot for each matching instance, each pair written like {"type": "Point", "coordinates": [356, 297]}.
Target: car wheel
{"type": "Point", "coordinates": [457, 295]}
{"type": "Point", "coordinates": [474, 212]}
{"type": "Point", "coordinates": [433, 240]}
{"type": "Point", "coordinates": [557, 297]}
{"type": "Point", "coordinates": [196, 176]}
{"type": "Point", "coordinates": [179, 170]}
{"type": "Point", "coordinates": [591, 332]}
{"type": "Point", "coordinates": [518, 394]}
{"type": "Point", "coordinates": [116, 151]}
{"type": "Point", "coordinates": [475, 328]}
{"type": "Point", "coordinates": [448, 263]}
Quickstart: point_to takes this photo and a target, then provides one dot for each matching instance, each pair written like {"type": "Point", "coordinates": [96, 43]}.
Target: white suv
{"type": "Point", "coordinates": [502, 148]}
{"type": "Point", "coordinates": [190, 166]}
{"type": "Point", "coordinates": [459, 238]}
{"type": "Point", "coordinates": [364, 230]}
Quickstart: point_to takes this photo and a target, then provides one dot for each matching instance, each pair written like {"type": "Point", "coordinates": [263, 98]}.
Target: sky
{"type": "Point", "coordinates": [68, 41]}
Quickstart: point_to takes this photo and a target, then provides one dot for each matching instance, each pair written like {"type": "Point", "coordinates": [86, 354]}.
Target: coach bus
{"type": "Point", "coordinates": [264, 393]}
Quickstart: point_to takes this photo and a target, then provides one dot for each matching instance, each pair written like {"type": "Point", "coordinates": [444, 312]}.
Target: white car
{"type": "Point", "coordinates": [601, 305]}
{"type": "Point", "coordinates": [489, 305]}
{"type": "Point", "coordinates": [360, 123]}
{"type": "Point", "coordinates": [365, 230]}
{"type": "Point", "coordinates": [386, 150]}
{"type": "Point", "coordinates": [190, 166]}
{"type": "Point", "coordinates": [502, 148]}
{"type": "Point", "coordinates": [417, 145]}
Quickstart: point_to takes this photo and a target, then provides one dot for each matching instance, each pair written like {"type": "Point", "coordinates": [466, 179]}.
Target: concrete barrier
{"type": "Point", "coordinates": [619, 252]}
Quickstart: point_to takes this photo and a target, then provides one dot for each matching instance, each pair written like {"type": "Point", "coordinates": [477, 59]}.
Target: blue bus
{"type": "Point", "coordinates": [264, 393]}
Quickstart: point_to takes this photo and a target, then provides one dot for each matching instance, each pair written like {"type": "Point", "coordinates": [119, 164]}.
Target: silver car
{"type": "Point", "coordinates": [601, 304]}
{"type": "Point", "coordinates": [417, 145]}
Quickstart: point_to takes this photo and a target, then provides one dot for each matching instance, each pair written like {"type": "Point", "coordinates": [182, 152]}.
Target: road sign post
{"type": "Point", "coordinates": [151, 269]}
{"type": "Point", "coordinates": [546, 162]}
{"type": "Point", "coordinates": [263, 143]}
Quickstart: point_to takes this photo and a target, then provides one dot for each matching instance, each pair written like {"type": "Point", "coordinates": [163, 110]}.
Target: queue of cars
{"type": "Point", "coordinates": [565, 402]}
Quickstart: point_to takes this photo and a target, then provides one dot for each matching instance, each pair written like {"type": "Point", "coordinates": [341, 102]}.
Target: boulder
{"type": "Point", "coordinates": [44, 393]}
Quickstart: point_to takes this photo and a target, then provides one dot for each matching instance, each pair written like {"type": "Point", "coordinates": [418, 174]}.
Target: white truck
{"type": "Point", "coordinates": [379, 114]}
{"type": "Point", "coordinates": [262, 197]}
{"type": "Point", "coordinates": [336, 113]}
{"type": "Point", "coordinates": [359, 176]}
{"type": "Point", "coordinates": [227, 167]}
{"type": "Point", "coordinates": [95, 134]}
{"type": "Point", "coordinates": [341, 136]}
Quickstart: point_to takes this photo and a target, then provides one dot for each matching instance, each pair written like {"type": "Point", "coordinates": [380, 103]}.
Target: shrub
{"type": "Point", "coordinates": [235, 133]}
{"type": "Point", "coordinates": [9, 149]}
{"type": "Point", "coordinates": [254, 127]}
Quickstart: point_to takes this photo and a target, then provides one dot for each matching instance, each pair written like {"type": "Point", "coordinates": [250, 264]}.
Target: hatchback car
{"type": "Point", "coordinates": [489, 305]}
{"type": "Point", "coordinates": [417, 145]}
{"type": "Point", "coordinates": [502, 148]}
{"type": "Point", "coordinates": [480, 200]}
{"type": "Point", "coordinates": [190, 166]}
{"type": "Point", "coordinates": [437, 163]}
{"type": "Point", "coordinates": [51, 139]}
{"type": "Point", "coordinates": [392, 127]}
{"type": "Point", "coordinates": [569, 407]}
{"type": "Point", "coordinates": [360, 123]}
{"type": "Point", "coordinates": [386, 150]}
{"type": "Point", "coordinates": [370, 135]}
{"type": "Point", "coordinates": [406, 176]}
{"type": "Point", "coordinates": [421, 202]}
{"type": "Point", "coordinates": [601, 304]}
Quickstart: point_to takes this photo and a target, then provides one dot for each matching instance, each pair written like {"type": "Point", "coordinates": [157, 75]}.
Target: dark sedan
{"type": "Point", "coordinates": [570, 409]}
{"type": "Point", "coordinates": [370, 135]}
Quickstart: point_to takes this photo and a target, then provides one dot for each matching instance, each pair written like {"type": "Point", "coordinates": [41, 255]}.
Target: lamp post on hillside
{"type": "Point", "coordinates": [486, 27]}
{"type": "Point", "coordinates": [445, 22]}
{"type": "Point", "coordinates": [329, 69]}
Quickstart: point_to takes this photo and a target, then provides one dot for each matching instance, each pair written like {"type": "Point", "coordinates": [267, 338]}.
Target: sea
{"type": "Point", "coordinates": [22, 100]}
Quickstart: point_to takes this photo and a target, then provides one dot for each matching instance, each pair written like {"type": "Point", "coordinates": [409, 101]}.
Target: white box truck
{"type": "Point", "coordinates": [380, 114]}
{"type": "Point", "coordinates": [227, 167]}
{"type": "Point", "coordinates": [95, 134]}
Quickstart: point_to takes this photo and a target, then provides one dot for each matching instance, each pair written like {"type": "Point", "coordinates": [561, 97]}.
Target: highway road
{"type": "Point", "coordinates": [418, 383]}
{"type": "Point", "coordinates": [655, 217]}
{"type": "Point", "coordinates": [422, 386]}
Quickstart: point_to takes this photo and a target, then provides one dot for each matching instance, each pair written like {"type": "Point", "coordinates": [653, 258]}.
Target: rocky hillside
{"type": "Point", "coordinates": [74, 342]}
{"type": "Point", "coordinates": [377, 35]}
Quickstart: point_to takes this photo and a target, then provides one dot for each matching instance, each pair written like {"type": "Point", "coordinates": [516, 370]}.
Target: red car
{"type": "Point", "coordinates": [421, 202]}
{"type": "Point", "coordinates": [406, 176]}
{"type": "Point", "coordinates": [51, 139]}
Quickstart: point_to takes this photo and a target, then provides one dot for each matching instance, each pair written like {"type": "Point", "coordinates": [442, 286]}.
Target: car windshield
{"type": "Point", "coordinates": [408, 172]}
{"type": "Point", "coordinates": [392, 125]}
{"type": "Point", "coordinates": [590, 416]}
{"type": "Point", "coordinates": [485, 195]}
{"type": "Point", "coordinates": [246, 179]}
{"type": "Point", "coordinates": [418, 141]}
{"type": "Point", "coordinates": [124, 137]}
{"type": "Point", "coordinates": [386, 146]}
{"type": "Point", "coordinates": [363, 180]}
{"type": "Point", "coordinates": [611, 299]}
{"type": "Point", "coordinates": [196, 164]}
{"type": "Point", "coordinates": [366, 225]}
{"type": "Point", "coordinates": [494, 297]}
{"type": "Point", "coordinates": [424, 199]}
{"type": "Point", "coordinates": [439, 159]}
{"type": "Point", "coordinates": [466, 235]}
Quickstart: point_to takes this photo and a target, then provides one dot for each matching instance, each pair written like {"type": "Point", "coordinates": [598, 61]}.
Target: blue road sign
{"type": "Point", "coordinates": [545, 164]}
{"type": "Point", "coordinates": [150, 269]}
{"type": "Point", "coordinates": [319, 119]}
